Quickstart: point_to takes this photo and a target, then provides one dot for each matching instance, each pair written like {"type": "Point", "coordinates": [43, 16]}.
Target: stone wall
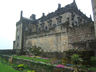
{"type": "Point", "coordinates": [81, 34]}
{"type": "Point", "coordinates": [7, 52]}
{"type": "Point", "coordinates": [50, 43]}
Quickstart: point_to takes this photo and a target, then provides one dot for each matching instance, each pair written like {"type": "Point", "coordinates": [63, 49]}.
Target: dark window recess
{"type": "Point", "coordinates": [68, 19]}
{"type": "Point", "coordinates": [41, 24]}
{"type": "Point", "coordinates": [72, 24]}
{"type": "Point", "coordinates": [46, 28]}
{"type": "Point", "coordinates": [72, 15]}
{"type": "Point", "coordinates": [59, 19]}
{"type": "Point", "coordinates": [49, 22]}
{"type": "Point", "coordinates": [18, 37]}
{"type": "Point", "coordinates": [72, 18]}
{"type": "Point", "coordinates": [75, 23]}
{"type": "Point", "coordinates": [54, 25]}
{"type": "Point", "coordinates": [79, 19]}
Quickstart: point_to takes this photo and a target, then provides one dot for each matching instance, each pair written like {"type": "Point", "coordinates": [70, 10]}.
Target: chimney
{"type": "Point", "coordinates": [43, 14]}
{"type": "Point", "coordinates": [33, 17]}
{"type": "Point", "coordinates": [59, 6]}
{"type": "Point", "coordinates": [21, 15]}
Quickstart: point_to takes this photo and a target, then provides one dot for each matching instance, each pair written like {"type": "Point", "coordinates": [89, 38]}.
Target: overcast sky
{"type": "Point", "coordinates": [10, 14]}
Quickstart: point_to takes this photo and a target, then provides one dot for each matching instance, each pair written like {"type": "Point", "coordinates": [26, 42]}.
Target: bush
{"type": "Point", "coordinates": [20, 67]}
{"type": "Point", "coordinates": [83, 53]}
{"type": "Point", "coordinates": [34, 50]}
{"type": "Point", "coordinates": [76, 59]}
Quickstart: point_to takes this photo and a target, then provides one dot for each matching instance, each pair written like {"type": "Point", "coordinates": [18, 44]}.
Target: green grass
{"type": "Point", "coordinates": [6, 68]}
{"type": "Point", "coordinates": [34, 59]}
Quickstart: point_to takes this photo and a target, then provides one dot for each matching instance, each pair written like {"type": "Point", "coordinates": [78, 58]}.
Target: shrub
{"type": "Point", "coordinates": [76, 59]}
{"type": "Point", "coordinates": [20, 67]}
{"type": "Point", "coordinates": [34, 50]}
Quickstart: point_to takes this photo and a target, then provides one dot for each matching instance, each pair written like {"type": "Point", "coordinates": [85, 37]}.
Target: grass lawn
{"type": "Point", "coordinates": [33, 58]}
{"type": "Point", "coordinates": [6, 68]}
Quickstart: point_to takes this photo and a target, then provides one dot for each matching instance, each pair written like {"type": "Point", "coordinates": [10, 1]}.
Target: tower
{"type": "Point", "coordinates": [94, 13]}
{"type": "Point", "coordinates": [19, 35]}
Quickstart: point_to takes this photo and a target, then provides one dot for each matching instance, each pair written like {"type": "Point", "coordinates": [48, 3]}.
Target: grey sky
{"type": "Point", "coordinates": [10, 14]}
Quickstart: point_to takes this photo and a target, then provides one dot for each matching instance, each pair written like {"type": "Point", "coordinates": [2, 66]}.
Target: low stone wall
{"type": "Point", "coordinates": [7, 52]}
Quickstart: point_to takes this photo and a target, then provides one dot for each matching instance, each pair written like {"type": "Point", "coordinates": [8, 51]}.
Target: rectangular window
{"type": "Point", "coordinates": [59, 19]}
{"type": "Point", "coordinates": [49, 23]}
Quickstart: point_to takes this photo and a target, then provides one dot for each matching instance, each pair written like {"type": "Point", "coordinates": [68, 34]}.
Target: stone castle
{"type": "Point", "coordinates": [65, 28]}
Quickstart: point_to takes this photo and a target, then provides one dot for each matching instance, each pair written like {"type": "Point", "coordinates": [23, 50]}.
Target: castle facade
{"type": "Point", "coordinates": [65, 28]}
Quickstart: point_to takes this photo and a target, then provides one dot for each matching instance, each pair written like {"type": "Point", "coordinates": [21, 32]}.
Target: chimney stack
{"type": "Point", "coordinates": [33, 17]}
{"type": "Point", "coordinates": [59, 6]}
{"type": "Point", "coordinates": [21, 15]}
{"type": "Point", "coordinates": [43, 14]}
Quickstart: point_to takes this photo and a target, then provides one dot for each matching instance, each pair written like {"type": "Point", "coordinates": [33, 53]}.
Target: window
{"type": "Point", "coordinates": [46, 28]}
{"type": "Point", "coordinates": [59, 19]}
{"type": "Point", "coordinates": [18, 37]}
{"type": "Point", "coordinates": [75, 23]}
{"type": "Point", "coordinates": [50, 22]}
{"type": "Point", "coordinates": [54, 25]}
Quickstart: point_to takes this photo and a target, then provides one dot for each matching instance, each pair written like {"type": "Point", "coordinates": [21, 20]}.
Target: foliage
{"type": "Point", "coordinates": [34, 50]}
{"type": "Point", "coordinates": [20, 67]}
{"type": "Point", "coordinates": [93, 61]}
{"type": "Point", "coordinates": [83, 53]}
{"type": "Point", "coordinates": [31, 71]}
{"type": "Point", "coordinates": [64, 61]}
{"type": "Point", "coordinates": [76, 59]}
